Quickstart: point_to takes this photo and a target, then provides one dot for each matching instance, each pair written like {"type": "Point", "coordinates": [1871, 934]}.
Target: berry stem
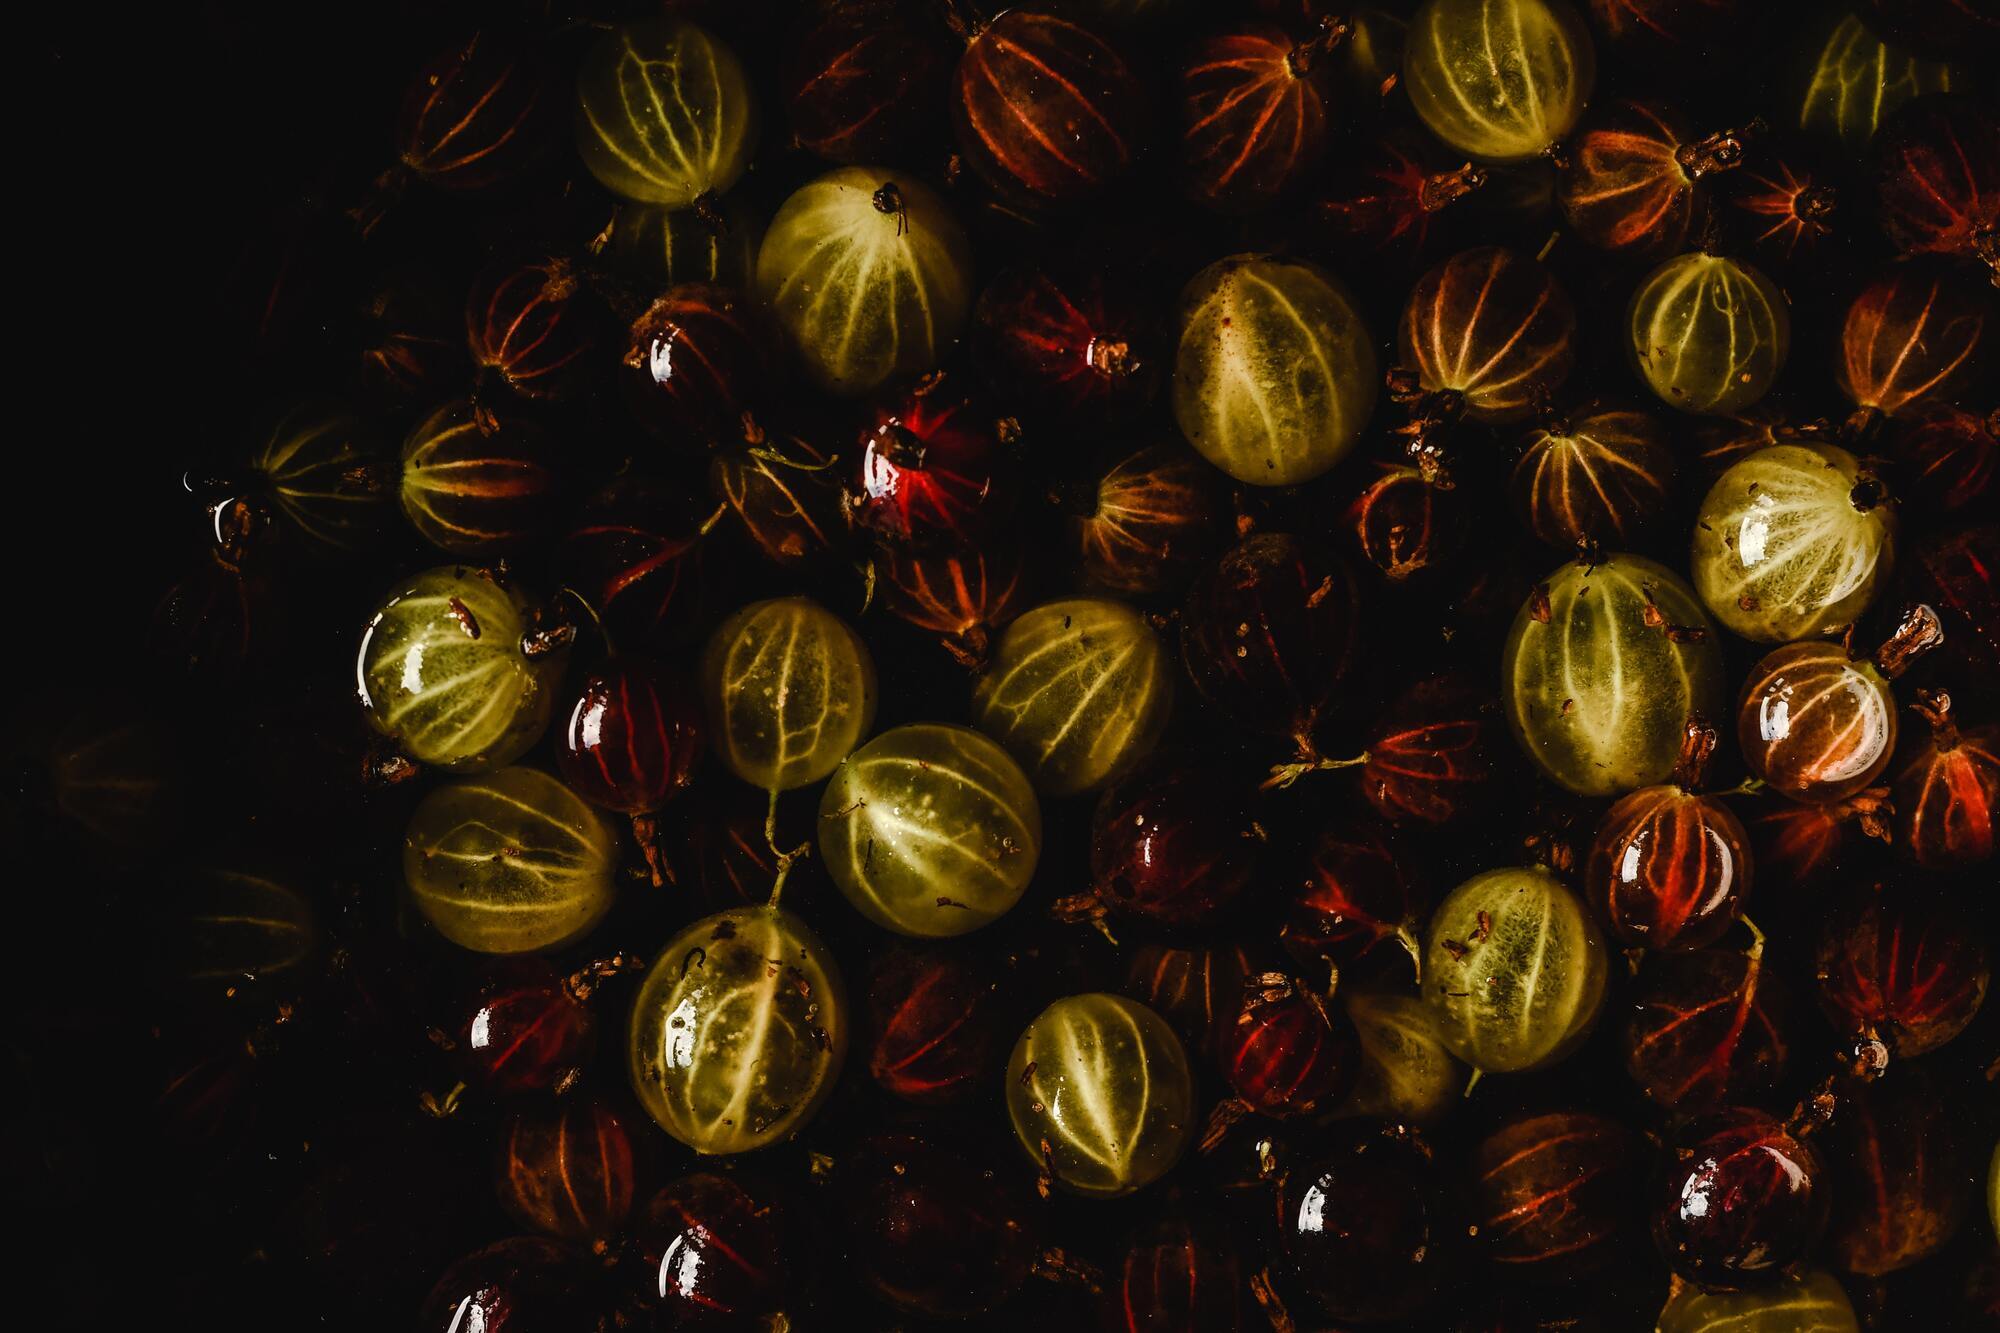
{"type": "Point", "coordinates": [1284, 775]}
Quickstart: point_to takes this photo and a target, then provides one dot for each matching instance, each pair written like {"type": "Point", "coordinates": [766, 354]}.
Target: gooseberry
{"type": "Point", "coordinates": [1553, 1192]}
{"type": "Point", "coordinates": [567, 1169]}
{"type": "Point", "coordinates": [1743, 1198]}
{"type": "Point", "coordinates": [665, 113]}
{"type": "Point", "coordinates": [530, 326]}
{"type": "Point", "coordinates": [1490, 330]}
{"type": "Point", "coordinates": [1707, 1028]}
{"type": "Point", "coordinates": [1602, 477]}
{"type": "Point", "coordinates": [1709, 334]}
{"type": "Point", "coordinates": [476, 484]}
{"type": "Point", "coordinates": [789, 689]}
{"type": "Point", "coordinates": [1906, 970]}
{"type": "Point", "coordinates": [1947, 787]}
{"type": "Point", "coordinates": [1501, 80]}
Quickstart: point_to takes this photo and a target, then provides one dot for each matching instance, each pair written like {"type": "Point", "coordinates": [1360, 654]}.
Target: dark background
{"type": "Point", "coordinates": [164, 163]}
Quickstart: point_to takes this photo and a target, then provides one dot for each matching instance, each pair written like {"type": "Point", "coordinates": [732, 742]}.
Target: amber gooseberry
{"type": "Point", "coordinates": [1514, 970]}
{"type": "Point", "coordinates": [1605, 665]}
{"type": "Point", "coordinates": [930, 830]}
{"type": "Point", "coordinates": [1100, 1094]}
{"type": "Point", "coordinates": [446, 672]}
{"type": "Point", "coordinates": [1709, 334]}
{"type": "Point", "coordinates": [870, 275]}
{"type": "Point", "coordinates": [738, 1031]}
{"type": "Point", "coordinates": [510, 862]}
{"type": "Point", "coordinates": [1791, 542]}
{"type": "Point", "coordinates": [1274, 375]}
{"type": "Point", "coordinates": [789, 688]}
{"type": "Point", "coordinates": [1500, 80]}
{"type": "Point", "coordinates": [1857, 81]}
{"type": "Point", "coordinates": [665, 113]}
{"type": "Point", "coordinates": [1406, 1071]}
{"type": "Point", "coordinates": [1078, 692]}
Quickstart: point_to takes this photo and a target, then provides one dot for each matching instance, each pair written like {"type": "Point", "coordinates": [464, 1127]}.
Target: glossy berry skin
{"type": "Point", "coordinates": [567, 1168]}
{"type": "Point", "coordinates": [530, 326]}
{"type": "Point", "coordinates": [1669, 869]}
{"type": "Point", "coordinates": [474, 116]}
{"type": "Point", "coordinates": [525, 1031]}
{"type": "Point", "coordinates": [1816, 724]}
{"type": "Point", "coordinates": [709, 1252]}
{"type": "Point", "coordinates": [1198, 989]}
{"type": "Point", "coordinates": [935, 1026]}
{"type": "Point", "coordinates": [1707, 1028]}
{"type": "Point", "coordinates": [1181, 1271]}
{"type": "Point", "coordinates": [520, 1285]}
{"type": "Point", "coordinates": [1936, 173]}
{"type": "Point", "coordinates": [1269, 633]}
{"type": "Point", "coordinates": [1741, 1199]}
{"type": "Point", "coordinates": [694, 362]}
{"type": "Point", "coordinates": [1946, 789]}
{"type": "Point", "coordinates": [1432, 754]}
{"type": "Point", "coordinates": [862, 81]}
{"type": "Point", "coordinates": [1366, 1228]}
{"type": "Point", "coordinates": [933, 471]}
{"type": "Point", "coordinates": [1045, 111]}
{"type": "Point", "coordinates": [1066, 338]}
{"type": "Point", "coordinates": [1354, 909]}
{"type": "Point", "coordinates": [1173, 846]}
{"type": "Point", "coordinates": [931, 1233]}
{"type": "Point", "coordinates": [633, 737]}
{"type": "Point", "coordinates": [1253, 118]}
{"type": "Point", "coordinates": [1286, 1056]}
{"type": "Point", "coordinates": [635, 556]}
{"type": "Point", "coordinates": [1905, 970]}
{"type": "Point", "coordinates": [1553, 1194]}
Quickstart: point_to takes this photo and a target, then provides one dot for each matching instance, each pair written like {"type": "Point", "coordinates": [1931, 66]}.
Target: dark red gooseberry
{"type": "Point", "coordinates": [696, 359]}
{"type": "Point", "coordinates": [785, 500]}
{"type": "Point", "coordinates": [1820, 725]}
{"type": "Point", "coordinates": [1198, 989]}
{"type": "Point", "coordinates": [1393, 196]}
{"type": "Point", "coordinates": [567, 1168]}
{"type": "Point", "coordinates": [1918, 332]}
{"type": "Point", "coordinates": [1367, 1230]}
{"type": "Point", "coordinates": [531, 326]}
{"type": "Point", "coordinates": [1145, 524]}
{"type": "Point", "coordinates": [1355, 909]}
{"type": "Point", "coordinates": [1602, 477]}
{"type": "Point", "coordinates": [1936, 169]}
{"type": "Point", "coordinates": [1959, 574]}
{"type": "Point", "coordinates": [633, 737]}
{"type": "Point", "coordinates": [862, 82]}
{"type": "Point", "coordinates": [1795, 844]}
{"type": "Point", "coordinates": [931, 1233]}
{"type": "Point", "coordinates": [935, 1026]}
{"type": "Point", "coordinates": [526, 1030]}
{"type": "Point", "coordinates": [1430, 756]}
{"type": "Point", "coordinates": [1904, 970]}
{"type": "Point", "coordinates": [1633, 181]}
{"type": "Point", "coordinates": [1670, 868]}
{"type": "Point", "coordinates": [1743, 1198]}
{"type": "Point", "coordinates": [478, 483]}
{"type": "Point", "coordinates": [1174, 846]}
{"type": "Point", "coordinates": [1269, 634]}
{"type": "Point", "coordinates": [520, 1285]}
{"type": "Point", "coordinates": [1286, 1055]}
{"type": "Point", "coordinates": [1554, 1194]}
{"type": "Point", "coordinates": [1950, 454]}
{"type": "Point", "coordinates": [1254, 110]}
{"type": "Point", "coordinates": [1900, 1184]}
{"type": "Point", "coordinates": [410, 344]}
{"type": "Point", "coordinates": [1706, 1028]}
{"type": "Point", "coordinates": [1182, 1271]}
{"type": "Point", "coordinates": [933, 471]}
{"type": "Point", "coordinates": [1673, 29]}
{"type": "Point", "coordinates": [1781, 203]}
{"type": "Point", "coordinates": [962, 596]}
{"type": "Point", "coordinates": [1063, 338]}
{"type": "Point", "coordinates": [713, 1254]}
{"type": "Point", "coordinates": [1044, 110]}
{"type": "Point", "coordinates": [1407, 520]}
{"type": "Point", "coordinates": [635, 557]}
{"type": "Point", "coordinates": [1947, 788]}
{"type": "Point", "coordinates": [473, 117]}
{"type": "Point", "coordinates": [1488, 333]}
